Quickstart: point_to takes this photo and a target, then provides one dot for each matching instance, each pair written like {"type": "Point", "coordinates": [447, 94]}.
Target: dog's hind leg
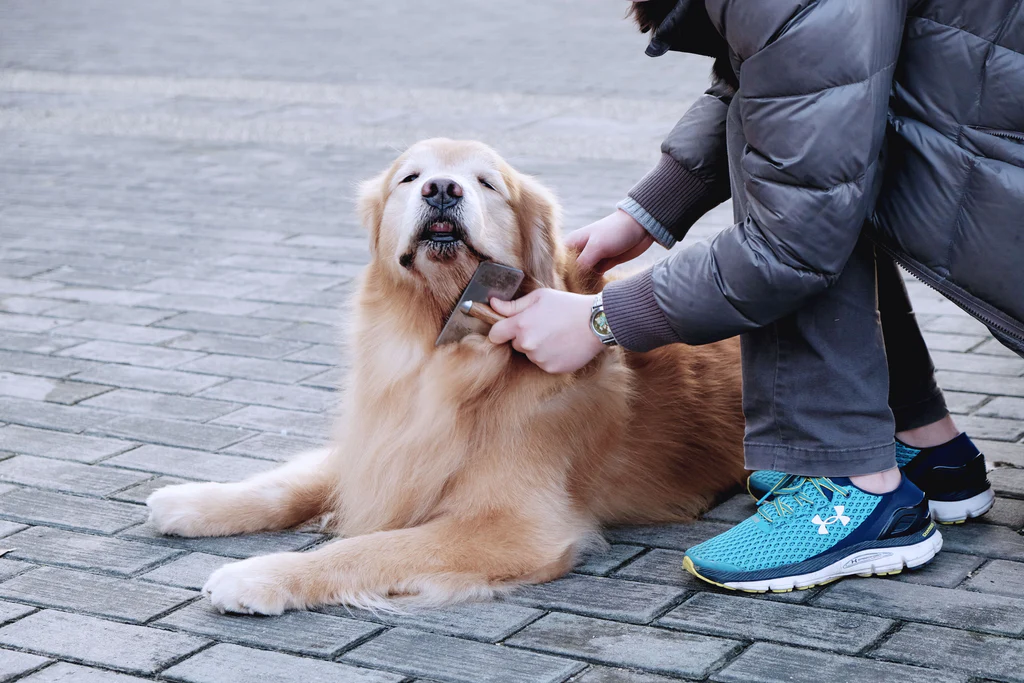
{"type": "Point", "coordinates": [281, 498]}
{"type": "Point", "coordinates": [441, 562]}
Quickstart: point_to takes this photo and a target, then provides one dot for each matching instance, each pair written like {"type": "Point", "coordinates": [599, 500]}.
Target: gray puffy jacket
{"type": "Point", "coordinates": [904, 116]}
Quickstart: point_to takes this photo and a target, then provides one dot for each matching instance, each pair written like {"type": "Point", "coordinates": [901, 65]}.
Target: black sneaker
{"type": "Point", "coordinates": [952, 476]}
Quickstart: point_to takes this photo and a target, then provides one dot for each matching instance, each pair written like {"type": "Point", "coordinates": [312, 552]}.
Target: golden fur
{"type": "Point", "coordinates": [461, 471]}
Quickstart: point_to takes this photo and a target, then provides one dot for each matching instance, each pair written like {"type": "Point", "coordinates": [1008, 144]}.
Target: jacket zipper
{"type": "Point", "coordinates": [960, 300]}
{"type": "Point", "coordinates": [1007, 136]}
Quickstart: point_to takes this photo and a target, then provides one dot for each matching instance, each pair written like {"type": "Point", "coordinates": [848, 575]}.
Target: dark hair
{"type": "Point", "coordinates": [649, 15]}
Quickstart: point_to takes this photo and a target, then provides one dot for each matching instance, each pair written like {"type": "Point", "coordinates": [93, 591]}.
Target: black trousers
{"type": "Point", "coordinates": [826, 388]}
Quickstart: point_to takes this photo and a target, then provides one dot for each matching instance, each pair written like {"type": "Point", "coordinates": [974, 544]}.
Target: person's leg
{"type": "Point", "coordinates": [816, 384]}
{"type": "Point", "coordinates": [919, 409]}
{"type": "Point", "coordinates": [815, 392]}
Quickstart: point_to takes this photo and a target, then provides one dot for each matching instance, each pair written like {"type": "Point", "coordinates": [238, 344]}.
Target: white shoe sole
{"type": "Point", "coordinates": [874, 561]}
{"type": "Point", "coordinates": [958, 511]}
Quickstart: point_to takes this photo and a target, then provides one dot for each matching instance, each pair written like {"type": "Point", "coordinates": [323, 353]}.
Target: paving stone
{"type": "Point", "coordinates": [109, 313]}
{"type": "Point", "coordinates": [95, 641]}
{"type": "Point", "coordinates": [1007, 407]}
{"type": "Point", "coordinates": [45, 366]}
{"type": "Point", "coordinates": [50, 415]}
{"type": "Point", "coordinates": [284, 422]}
{"type": "Point", "coordinates": [1005, 512]}
{"type": "Point", "coordinates": [8, 528]}
{"type": "Point", "coordinates": [938, 341]}
{"type": "Point", "coordinates": [131, 334]}
{"type": "Point", "coordinates": [913, 602]}
{"type": "Point", "coordinates": [46, 389]}
{"type": "Point", "coordinates": [65, 476]}
{"type": "Point", "coordinates": [766, 663]}
{"type": "Point", "coordinates": [103, 596]}
{"type": "Point", "coordinates": [197, 303]}
{"type": "Point", "coordinates": [239, 547]}
{"type": "Point", "coordinates": [9, 611]}
{"type": "Point", "coordinates": [973, 654]}
{"type": "Point", "coordinates": [310, 633]}
{"type": "Point", "coordinates": [640, 647]}
{"type": "Point", "coordinates": [73, 512]}
{"type": "Point", "coordinates": [332, 379]}
{"type": "Point", "coordinates": [88, 449]}
{"type": "Point", "coordinates": [15, 664]}
{"type": "Point", "coordinates": [760, 620]}
{"type": "Point", "coordinates": [212, 288]}
{"type": "Point", "coordinates": [173, 432]}
{"type": "Point", "coordinates": [235, 664]}
{"type": "Point", "coordinates": [999, 577]}
{"type": "Point", "coordinates": [426, 655]}
{"type": "Point", "coordinates": [1000, 452]}
{"type": "Point", "coordinates": [45, 545]}
{"type": "Point", "coordinates": [980, 384]}
{"type": "Point", "coordinates": [33, 344]}
{"type": "Point", "coordinates": [131, 354]}
{"type": "Point", "coordinates": [237, 346]}
{"type": "Point", "coordinates": [9, 568]}
{"type": "Point", "coordinates": [1007, 481]}
{"type": "Point", "coordinates": [229, 324]}
{"type": "Point", "coordinates": [602, 562]}
{"type": "Point", "coordinates": [991, 428]}
{"type": "Point", "coordinates": [275, 395]}
{"type": "Point", "coordinates": [977, 363]}
{"type": "Point", "coordinates": [101, 296]}
{"type": "Point", "coordinates": [148, 379]}
{"type": "Point", "coordinates": [62, 672]}
{"type": "Point", "coordinates": [946, 570]}
{"type": "Point", "coordinates": [188, 464]}
{"type": "Point", "coordinates": [962, 403]}
{"type": "Point", "coordinates": [140, 492]}
{"type": "Point", "coordinates": [671, 536]}
{"type": "Point", "coordinates": [602, 674]}
{"type": "Point", "coordinates": [273, 447]}
{"type": "Point", "coordinates": [485, 621]}
{"type": "Point", "coordinates": [734, 510]}
{"type": "Point", "coordinates": [310, 332]}
{"type": "Point", "coordinates": [13, 322]}
{"type": "Point", "coordinates": [956, 324]}
{"type": "Point", "coordinates": [985, 540]}
{"type": "Point", "coordinates": [323, 354]}
{"type": "Point", "coordinates": [161, 405]}
{"type": "Point", "coordinates": [282, 371]}
{"type": "Point", "coordinates": [190, 571]}
{"type": "Point", "coordinates": [600, 597]}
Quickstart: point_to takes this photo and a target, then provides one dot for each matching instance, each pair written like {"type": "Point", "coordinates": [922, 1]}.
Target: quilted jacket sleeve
{"type": "Point", "coordinates": [812, 103]}
{"type": "Point", "coordinates": [692, 176]}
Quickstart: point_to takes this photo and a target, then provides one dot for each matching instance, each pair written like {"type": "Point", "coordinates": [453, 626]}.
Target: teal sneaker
{"type": "Point", "coordinates": [822, 530]}
{"type": "Point", "coordinates": [763, 482]}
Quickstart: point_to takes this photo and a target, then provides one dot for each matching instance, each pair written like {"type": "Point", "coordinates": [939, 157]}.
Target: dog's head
{"type": "Point", "coordinates": [444, 206]}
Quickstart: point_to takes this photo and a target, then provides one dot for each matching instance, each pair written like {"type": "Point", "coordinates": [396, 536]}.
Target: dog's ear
{"type": "Point", "coordinates": [539, 219]}
{"type": "Point", "coordinates": [370, 205]}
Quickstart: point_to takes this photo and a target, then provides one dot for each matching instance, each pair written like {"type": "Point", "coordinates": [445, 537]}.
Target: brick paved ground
{"type": "Point", "coordinates": [177, 236]}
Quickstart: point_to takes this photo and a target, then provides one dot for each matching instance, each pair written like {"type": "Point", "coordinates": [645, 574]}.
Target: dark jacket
{"type": "Point", "coordinates": [904, 116]}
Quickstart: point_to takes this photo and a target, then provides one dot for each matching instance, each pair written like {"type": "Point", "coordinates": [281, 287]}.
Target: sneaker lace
{"type": "Point", "coordinates": [788, 504]}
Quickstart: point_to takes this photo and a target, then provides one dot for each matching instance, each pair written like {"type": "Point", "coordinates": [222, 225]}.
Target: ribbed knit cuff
{"type": "Point", "coordinates": [673, 197]}
{"type": "Point", "coordinates": [656, 230]}
{"type": "Point", "coordinates": [636, 319]}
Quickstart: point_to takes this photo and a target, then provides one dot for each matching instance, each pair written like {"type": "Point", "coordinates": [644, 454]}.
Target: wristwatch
{"type": "Point", "coordinates": [599, 322]}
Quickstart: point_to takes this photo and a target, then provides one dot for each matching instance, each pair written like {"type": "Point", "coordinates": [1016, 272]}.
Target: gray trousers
{"type": "Point", "coordinates": [826, 388]}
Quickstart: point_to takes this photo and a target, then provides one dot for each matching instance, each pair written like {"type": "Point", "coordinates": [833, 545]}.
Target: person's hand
{"type": "Point", "coordinates": [551, 327]}
{"type": "Point", "coordinates": [606, 243]}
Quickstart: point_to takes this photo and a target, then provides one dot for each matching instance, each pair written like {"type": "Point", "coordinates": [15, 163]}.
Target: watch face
{"type": "Point", "coordinates": [600, 324]}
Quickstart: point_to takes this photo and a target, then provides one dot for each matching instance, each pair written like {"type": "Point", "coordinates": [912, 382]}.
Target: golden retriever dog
{"type": "Point", "coordinates": [462, 471]}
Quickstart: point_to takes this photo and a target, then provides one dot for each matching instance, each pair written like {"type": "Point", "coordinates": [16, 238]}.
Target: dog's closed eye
{"type": "Point", "coordinates": [409, 178]}
{"type": "Point", "coordinates": [483, 181]}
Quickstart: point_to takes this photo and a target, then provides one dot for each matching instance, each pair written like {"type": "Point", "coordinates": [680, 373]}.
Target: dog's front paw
{"type": "Point", "coordinates": [181, 510]}
{"type": "Point", "coordinates": [254, 586]}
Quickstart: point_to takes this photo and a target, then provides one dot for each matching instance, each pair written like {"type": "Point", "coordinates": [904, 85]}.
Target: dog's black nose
{"type": "Point", "coordinates": [441, 193]}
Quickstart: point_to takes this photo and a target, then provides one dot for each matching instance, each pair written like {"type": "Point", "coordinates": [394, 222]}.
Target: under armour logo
{"type": "Point", "coordinates": [823, 524]}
